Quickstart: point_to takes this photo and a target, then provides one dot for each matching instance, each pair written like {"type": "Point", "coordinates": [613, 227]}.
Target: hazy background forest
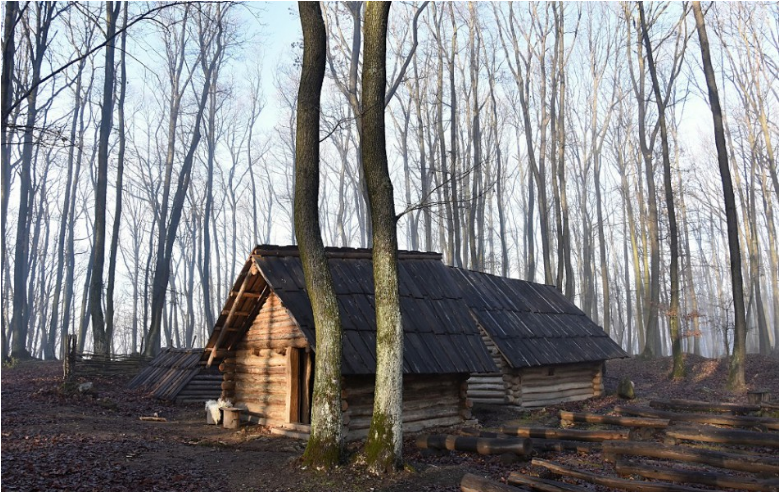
{"type": "Point", "coordinates": [523, 140]}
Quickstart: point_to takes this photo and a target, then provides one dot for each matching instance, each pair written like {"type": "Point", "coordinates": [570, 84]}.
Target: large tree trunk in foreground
{"type": "Point", "coordinates": [324, 446]}
{"type": "Point", "coordinates": [384, 443]}
{"type": "Point", "coordinates": [736, 378]}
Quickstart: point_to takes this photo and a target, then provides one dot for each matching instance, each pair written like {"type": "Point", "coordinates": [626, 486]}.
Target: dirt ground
{"type": "Point", "coordinates": [57, 439]}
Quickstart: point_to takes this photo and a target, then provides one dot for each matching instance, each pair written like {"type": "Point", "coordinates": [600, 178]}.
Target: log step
{"type": "Point", "coordinates": [712, 479]}
{"type": "Point", "coordinates": [731, 461]}
{"type": "Point", "coordinates": [611, 482]}
{"type": "Point", "coordinates": [704, 406]}
{"type": "Point", "coordinates": [700, 418]}
{"type": "Point", "coordinates": [569, 434]}
{"type": "Point", "coordinates": [724, 436]}
{"type": "Point", "coordinates": [474, 483]}
{"type": "Point", "coordinates": [594, 418]}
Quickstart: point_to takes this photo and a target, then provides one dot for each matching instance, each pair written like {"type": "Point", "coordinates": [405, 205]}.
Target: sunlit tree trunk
{"type": "Point", "coordinates": [324, 446]}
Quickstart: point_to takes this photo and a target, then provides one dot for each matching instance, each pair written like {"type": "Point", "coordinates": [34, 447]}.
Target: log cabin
{"type": "Point", "coordinates": [548, 351]}
{"type": "Point", "coordinates": [265, 335]}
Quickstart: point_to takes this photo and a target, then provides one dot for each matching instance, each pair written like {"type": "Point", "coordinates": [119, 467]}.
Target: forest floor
{"type": "Point", "coordinates": [55, 438]}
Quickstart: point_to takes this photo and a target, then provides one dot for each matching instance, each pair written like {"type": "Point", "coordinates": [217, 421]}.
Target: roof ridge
{"type": "Point", "coordinates": [342, 252]}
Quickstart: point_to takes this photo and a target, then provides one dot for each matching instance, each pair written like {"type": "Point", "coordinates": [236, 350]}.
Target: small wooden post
{"type": "Point", "coordinates": [69, 356]}
{"type": "Point", "coordinates": [293, 378]}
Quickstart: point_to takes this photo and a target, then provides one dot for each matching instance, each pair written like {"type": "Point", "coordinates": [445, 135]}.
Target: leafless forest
{"type": "Point", "coordinates": [147, 147]}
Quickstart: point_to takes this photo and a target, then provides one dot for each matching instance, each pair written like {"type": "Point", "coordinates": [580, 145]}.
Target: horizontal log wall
{"type": "Point", "coordinates": [548, 385]}
{"type": "Point", "coordinates": [490, 388]}
{"type": "Point", "coordinates": [201, 388]}
{"type": "Point", "coordinates": [255, 378]}
{"type": "Point", "coordinates": [428, 401]}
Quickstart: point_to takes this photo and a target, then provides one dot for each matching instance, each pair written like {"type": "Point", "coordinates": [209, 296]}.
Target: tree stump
{"type": "Point", "coordinates": [230, 417]}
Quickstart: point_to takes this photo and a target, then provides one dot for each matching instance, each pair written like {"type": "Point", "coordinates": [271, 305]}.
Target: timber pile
{"type": "Point", "coordinates": [667, 466]}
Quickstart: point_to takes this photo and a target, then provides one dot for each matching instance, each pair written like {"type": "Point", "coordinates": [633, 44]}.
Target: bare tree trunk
{"type": "Point", "coordinates": [736, 378]}
{"type": "Point", "coordinates": [44, 14]}
{"type": "Point", "coordinates": [324, 446]}
{"type": "Point", "coordinates": [209, 38]}
{"type": "Point", "coordinates": [678, 366]}
{"type": "Point", "coordinates": [384, 443]}
{"type": "Point", "coordinates": [115, 235]}
{"type": "Point", "coordinates": [6, 81]}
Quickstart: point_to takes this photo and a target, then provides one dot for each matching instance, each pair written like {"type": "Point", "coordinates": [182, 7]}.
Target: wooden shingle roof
{"type": "Point", "coordinates": [439, 334]}
{"type": "Point", "coordinates": [533, 324]}
{"type": "Point", "coordinates": [168, 373]}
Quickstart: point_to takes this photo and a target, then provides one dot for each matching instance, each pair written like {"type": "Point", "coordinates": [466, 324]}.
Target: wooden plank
{"type": "Point", "coordinates": [712, 479]}
{"type": "Point", "coordinates": [731, 461]}
{"type": "Point", "coordinates": [293, 378]}
{"type": "Point", "coordinates": [611, 482]}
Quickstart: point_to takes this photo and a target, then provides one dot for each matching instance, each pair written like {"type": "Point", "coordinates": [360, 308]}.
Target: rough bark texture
{"type": "Point", "coordinates": [384, 444]}
{"type": "Point", "coordinates": [737, 364]}
{"type": "Point", "coordinates": [324, 446]}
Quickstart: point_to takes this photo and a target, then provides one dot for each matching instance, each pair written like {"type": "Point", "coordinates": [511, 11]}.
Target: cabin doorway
{"type": "Point", "coordinates": [300, 384]}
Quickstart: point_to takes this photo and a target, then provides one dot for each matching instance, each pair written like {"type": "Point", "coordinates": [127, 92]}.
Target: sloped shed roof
{"type": "Point", "coordinates": [440, 335]}
{"type": "Point", "coordinates": [168, 373]}
{"type": "Point", "coordinates": [533, 324]}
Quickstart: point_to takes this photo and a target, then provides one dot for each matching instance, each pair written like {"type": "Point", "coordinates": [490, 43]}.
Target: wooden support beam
{"type": "Point", "coordinates": [611, 482]}
{"type": "Point", "coordinates": [232, 313]}
{"type": "Point", "coordinates": [474, 483]}
{"type": "Point", "coordinates": [731, 461]}
{"type": "Point", "coordinates": [712, 479]}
